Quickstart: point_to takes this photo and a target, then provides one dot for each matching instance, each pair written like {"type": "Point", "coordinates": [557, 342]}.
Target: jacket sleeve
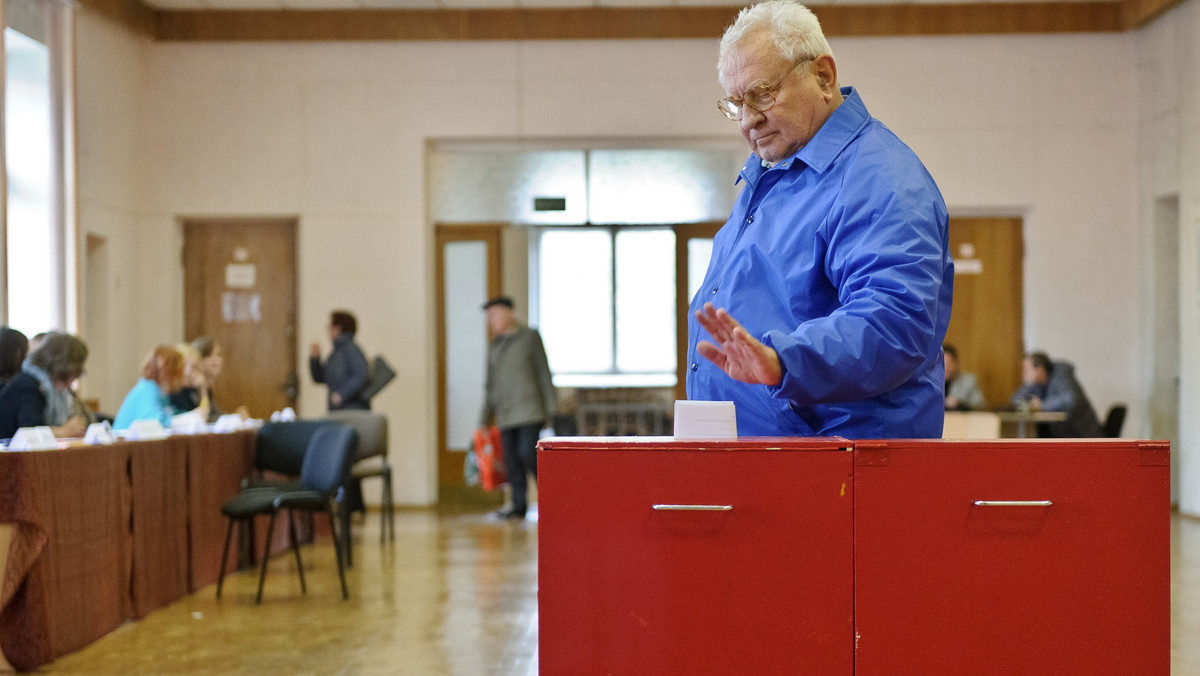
{"type": "Point", "coordinates": [1060, 392]}
{"type": "Point", "coordinates": [886, 256]}
{"type": "Point", "coordinates": [317, 369]}
{"type": "Point", "coordinates": [358, 374]}
{"type": "Point", "coordinates": [541, 366]}
{"type": "Point", "coordinates": [1023, 395]}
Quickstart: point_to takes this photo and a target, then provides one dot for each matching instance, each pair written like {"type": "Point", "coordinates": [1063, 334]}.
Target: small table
{"type": "Point", "coordinates": [1022, 417]}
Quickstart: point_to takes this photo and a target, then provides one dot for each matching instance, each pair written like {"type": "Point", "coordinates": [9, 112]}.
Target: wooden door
{"type": "Point", "coordinates": [240, 289]}
{"type": "Point", "coordinates": [468, 273]}
{"type": "Point", "coordinates": [986, 325]}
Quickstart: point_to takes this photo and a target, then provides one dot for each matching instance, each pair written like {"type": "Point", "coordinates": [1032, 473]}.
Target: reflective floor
{"type": "Point", "coordinates": [455, 595]}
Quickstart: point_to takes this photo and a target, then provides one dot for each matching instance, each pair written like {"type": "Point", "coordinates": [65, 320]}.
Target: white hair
{"type": "Point", "coordinates": [793, 28]}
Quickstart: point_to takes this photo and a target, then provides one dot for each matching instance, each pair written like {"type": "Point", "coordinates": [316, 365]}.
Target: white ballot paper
{"type": "Point", "coordinates": [99, 433]}
{"type": "Point", "coordinates": [705, 420]}
{"type": "Point", "coordinates": [33, 439]}
{"type": "Point", "coordinates": [145, 430]}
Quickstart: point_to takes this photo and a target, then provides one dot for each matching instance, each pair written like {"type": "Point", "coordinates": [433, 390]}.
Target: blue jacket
{"type": "Point", "coordinates": [838, 258]}
{"type": "Point", "coordinates": [146, 401]}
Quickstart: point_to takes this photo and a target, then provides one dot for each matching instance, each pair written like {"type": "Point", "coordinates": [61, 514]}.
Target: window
{"type": "Point", "coordinates": [606, 305]}
{"type": "Point", "coordinates": [37, 234]}
{"type": "Point", "coordinates": [603, 225]}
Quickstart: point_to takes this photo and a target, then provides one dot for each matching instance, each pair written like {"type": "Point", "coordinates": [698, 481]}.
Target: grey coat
{"type": "Point", "coordinates": [519, 388]}
{"type": "Point", "coordinates": [1063, 393]}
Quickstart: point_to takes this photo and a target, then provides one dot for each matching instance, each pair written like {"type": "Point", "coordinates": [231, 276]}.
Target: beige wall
{"type": "Point", "coordinates": [112, 88]}
{"type": "Point", "coordinates": [1040, 126]}
{"type": "Point", "coordinates": [1169, 166]}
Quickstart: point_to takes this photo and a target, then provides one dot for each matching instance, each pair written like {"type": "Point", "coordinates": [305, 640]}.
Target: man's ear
{"type": "Point", "coordinates": [825, 71]}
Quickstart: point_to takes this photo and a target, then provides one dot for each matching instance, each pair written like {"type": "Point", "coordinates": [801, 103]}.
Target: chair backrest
{"type": "Point", "coordinates": [1114, 420]}
{"type": "Point", "coordinates": [372, 430]}
{"type": "Point", "coordinates": [328, 458]}
{"type": "Point", "coordinates": [281, 446]}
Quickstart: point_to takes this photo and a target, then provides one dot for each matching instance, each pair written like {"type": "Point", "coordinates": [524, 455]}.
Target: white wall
{"type": "Point", "coordinates": [1040, 126]}
{"type": "Point", "coordinates": [1169, 164]}
{"type": "Point", "coordinates": [111, 90]}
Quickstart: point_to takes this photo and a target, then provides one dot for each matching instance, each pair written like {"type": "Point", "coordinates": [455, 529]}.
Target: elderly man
{"type": "Point", "coordinates": [519, 397]}
{"type": "Point", "coordinates": [828, 293]}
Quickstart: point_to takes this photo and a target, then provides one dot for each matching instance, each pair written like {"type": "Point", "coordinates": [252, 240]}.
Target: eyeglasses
{"type": "Point", "coordinates": [760, 98]}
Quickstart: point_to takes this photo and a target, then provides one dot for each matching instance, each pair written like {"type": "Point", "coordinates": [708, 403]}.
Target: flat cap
{"type": "Point", "coordinates": [499, 300]}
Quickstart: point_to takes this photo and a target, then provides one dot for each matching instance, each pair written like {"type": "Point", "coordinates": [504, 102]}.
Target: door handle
{"type": "Point", "coordinates": [692, 508]}
{"type": "Point", "coordinates": [1013, 503]}
{"type": "Point", "coordinates": [291, 386]}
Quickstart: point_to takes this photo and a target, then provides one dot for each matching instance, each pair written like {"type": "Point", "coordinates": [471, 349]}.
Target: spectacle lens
{"type": "Point", "coordinates": [760, 98]}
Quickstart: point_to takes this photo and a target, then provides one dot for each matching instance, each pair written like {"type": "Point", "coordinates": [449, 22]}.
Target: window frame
{"type": "Point", "coordinates": [683, 232]}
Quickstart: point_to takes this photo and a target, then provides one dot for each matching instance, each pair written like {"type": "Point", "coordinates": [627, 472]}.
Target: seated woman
{"type": "Point", "coordinates": [162, 375]}
{"type": "Point", "coordinates": [40, 393]}
{"type": "Point", "coordinates": [202, 365]}
{"type": "Point", "coordinates": [14, 347]}
{"type": "Point", "coordinates": [193, 396]}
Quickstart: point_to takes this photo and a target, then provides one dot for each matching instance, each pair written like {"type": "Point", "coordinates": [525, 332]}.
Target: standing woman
{"type": "Point", "coordinates": [40, 393]}
{"type": "Point", "coordinates": [345, 372]}
{"type": "Point", "coordinates": [162, 375]}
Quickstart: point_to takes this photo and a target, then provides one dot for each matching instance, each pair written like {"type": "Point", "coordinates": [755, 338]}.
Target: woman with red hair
{"type": "Point", "coordinates": [162, 374]}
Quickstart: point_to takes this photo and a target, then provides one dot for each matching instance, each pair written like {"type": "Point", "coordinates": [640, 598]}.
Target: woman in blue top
{"type": "Point", "coordinates": [162, 374]}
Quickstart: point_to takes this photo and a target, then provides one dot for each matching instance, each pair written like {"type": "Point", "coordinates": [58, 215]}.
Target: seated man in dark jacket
{"type": "Point", "coordinates": [1051, 386]}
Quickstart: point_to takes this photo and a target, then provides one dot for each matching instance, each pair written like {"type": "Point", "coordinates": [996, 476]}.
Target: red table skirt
{"type": "Point", "coordinates": [102, 534]}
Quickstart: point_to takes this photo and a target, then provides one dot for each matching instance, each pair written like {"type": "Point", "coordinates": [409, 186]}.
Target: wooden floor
{"type": "Point", "coordinates": [455, 595]}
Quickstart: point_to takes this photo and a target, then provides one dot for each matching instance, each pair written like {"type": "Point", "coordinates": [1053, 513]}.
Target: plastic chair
{"type": "Point", "coordinates": [326, 465]}
{"type": "Point", "coordinates": [1115, 420]}
{"type": "Point", "coordinates": [372, 443]}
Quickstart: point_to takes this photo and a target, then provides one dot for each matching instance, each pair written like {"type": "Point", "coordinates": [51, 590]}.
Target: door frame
{"type": "Point", "coordinates": [450, 463]}
{"type": "Point", "coordinates": [684, 233]}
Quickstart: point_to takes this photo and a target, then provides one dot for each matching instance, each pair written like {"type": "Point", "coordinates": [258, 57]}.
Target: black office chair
{"type": "Point", "coordinates": [326, 465]}
{"type": "Point", "coordinates": [1114, 420]}
{"type": "Point", "coordinates": [280, 447]}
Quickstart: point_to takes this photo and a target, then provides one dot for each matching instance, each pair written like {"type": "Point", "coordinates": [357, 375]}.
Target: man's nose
{"type": "Point", "coordinates": [750, 117]}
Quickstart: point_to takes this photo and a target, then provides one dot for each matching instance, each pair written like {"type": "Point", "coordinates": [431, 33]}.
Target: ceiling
{"type": "Point", "coordinates": [493, 4]}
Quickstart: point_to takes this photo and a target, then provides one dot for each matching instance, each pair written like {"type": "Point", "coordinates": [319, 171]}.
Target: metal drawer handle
{"type": "Point", "coordinates": [693, 508]}
{"type": "Point", "coordinates": [1013, 503]}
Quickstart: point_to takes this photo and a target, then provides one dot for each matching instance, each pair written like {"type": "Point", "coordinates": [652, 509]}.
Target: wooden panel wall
{"type": "Point", "coordinates": [612, 23]}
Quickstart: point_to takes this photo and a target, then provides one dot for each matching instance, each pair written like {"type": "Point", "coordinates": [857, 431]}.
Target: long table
{"type": "Point", "coordinates": [103, 534]}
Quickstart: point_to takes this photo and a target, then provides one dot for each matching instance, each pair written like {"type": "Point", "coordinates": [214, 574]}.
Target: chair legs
{"type": "Point", "coordinates": [347, 543]}
{"type": "Point", "coordinates": [224, 555]}
{"type": "Point", "coordinates": [388, 518]}
{"type": "Point", "coordinates": [340, 540]}
{"type": "Point", "coordinates": [296, 549]}
{"type": "Point", "coordinates": [337, 551]}
{"type": "Point", "coordinates": [262, 576]}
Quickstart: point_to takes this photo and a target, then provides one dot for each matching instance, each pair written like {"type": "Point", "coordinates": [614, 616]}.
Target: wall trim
{"type": "Point", "coordinates": [619, 23]}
